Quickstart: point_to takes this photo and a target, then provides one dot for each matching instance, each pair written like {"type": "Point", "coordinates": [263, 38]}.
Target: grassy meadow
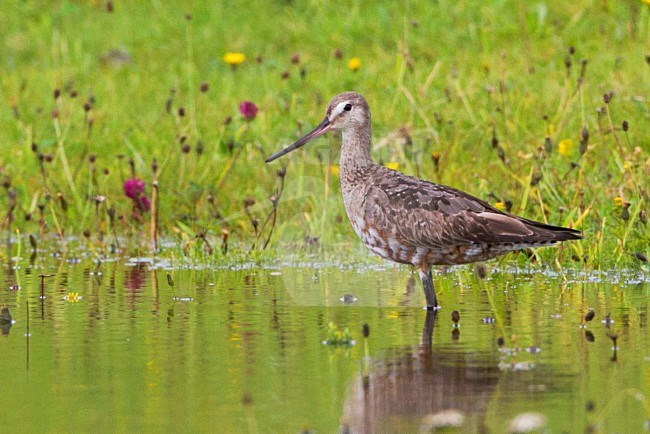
{"type": "Point", "coordinates": [541, 108]}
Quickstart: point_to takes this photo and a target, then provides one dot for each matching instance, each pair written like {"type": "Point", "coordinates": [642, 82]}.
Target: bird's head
{"type": "Point", "coordinates": [348, 110]}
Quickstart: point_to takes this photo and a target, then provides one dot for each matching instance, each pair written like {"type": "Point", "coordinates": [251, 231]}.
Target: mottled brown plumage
{"type": "Point", "coordinates": [412, 221]}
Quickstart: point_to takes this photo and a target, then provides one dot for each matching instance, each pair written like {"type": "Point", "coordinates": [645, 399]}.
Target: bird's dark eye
{"type": "Point", "coordinates": [347, 107]}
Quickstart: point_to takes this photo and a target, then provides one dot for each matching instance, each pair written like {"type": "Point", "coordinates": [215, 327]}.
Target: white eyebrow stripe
{"type": "Point", "coordinates": [339, 109]}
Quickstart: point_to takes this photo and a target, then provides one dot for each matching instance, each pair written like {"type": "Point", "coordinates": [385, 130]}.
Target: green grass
{"type": "Point", "coordinates": [479, 85]}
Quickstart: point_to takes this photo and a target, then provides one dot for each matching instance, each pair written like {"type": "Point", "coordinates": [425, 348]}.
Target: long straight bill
{"type": "Point", "coordinates": [318, 131]}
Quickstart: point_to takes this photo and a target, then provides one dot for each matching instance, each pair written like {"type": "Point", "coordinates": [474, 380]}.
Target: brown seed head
{"type": "Point", "coordinates": [607, 97]}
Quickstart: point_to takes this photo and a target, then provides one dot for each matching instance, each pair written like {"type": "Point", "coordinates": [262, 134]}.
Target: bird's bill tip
{"type": "Point", "coordinates": [321, 129]}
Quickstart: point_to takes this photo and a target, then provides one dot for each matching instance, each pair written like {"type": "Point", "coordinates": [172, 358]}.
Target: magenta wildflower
{"type": "Point", "coordinates": [133, 188]}
{"type": "Point", "coordinates": [144, 204]}
{"type": "Point", "coordinates": [248, 110]}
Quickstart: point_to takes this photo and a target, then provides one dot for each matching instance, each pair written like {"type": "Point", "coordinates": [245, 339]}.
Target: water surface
{"type": "Point", "coordinates": [115, 347]}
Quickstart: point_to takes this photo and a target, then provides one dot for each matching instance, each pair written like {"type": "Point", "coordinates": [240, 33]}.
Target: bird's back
{"type": "Point", "coordinates": [409, 220]}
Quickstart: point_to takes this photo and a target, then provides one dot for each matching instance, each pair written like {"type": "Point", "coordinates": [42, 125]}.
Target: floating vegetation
{"type": "Point", "coordinates": [338, 337]}
{"type": "Point", "coordinates": [72, 297]}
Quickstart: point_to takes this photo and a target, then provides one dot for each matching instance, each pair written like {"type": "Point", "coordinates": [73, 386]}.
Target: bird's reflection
{"type": "Point", "coordinates": [399, 390]}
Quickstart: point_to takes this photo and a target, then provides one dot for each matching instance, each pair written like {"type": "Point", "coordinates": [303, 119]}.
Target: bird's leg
{"type": "Point", "coordinates": [427, 330]}
{"type": "Point", "coordinates": [429, 292]}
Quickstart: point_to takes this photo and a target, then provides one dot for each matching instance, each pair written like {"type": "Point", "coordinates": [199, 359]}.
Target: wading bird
{"type": "Point", "coordinates": [412, 221]}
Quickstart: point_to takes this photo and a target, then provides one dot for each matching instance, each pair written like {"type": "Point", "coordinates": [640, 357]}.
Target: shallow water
{"type": "Point", "coordinates": [241, 349]}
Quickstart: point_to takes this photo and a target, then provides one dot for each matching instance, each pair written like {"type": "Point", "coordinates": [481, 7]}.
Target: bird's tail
{"type": "Point", "coordinates": [547, 233]}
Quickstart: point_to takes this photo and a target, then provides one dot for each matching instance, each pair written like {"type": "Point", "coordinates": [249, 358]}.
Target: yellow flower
{"type": "Point", "coordinates": [393, 165]}
{"type": "Point", "coordinates": [500, 206]}
{"type": "Point", "coordinates": [334, 170]}
{"type": "Point", "coordinates": [354, 63]}
{"type": "Point", "coordinates": [72, 297]}
{"type": "Point", "coordinates": [618, 201]}
{"type": "Point", "coordinates": [565, 147]}
{"type": "Point", "coordinates": [234, 59]}
{"type": "Point", "coordinates": [646, 2]}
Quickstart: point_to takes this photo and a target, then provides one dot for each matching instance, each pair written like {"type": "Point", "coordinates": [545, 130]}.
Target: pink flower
{"type": "Point", "coordinates": [133, 188]}
{"type": "Point", "coordinates": [248, 110]}
{"type": "Point", "coordinates": [144, 204]}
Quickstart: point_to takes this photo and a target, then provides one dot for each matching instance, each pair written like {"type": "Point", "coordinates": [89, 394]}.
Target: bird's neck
{"type": "Point", "coordinates": [355, 149]}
